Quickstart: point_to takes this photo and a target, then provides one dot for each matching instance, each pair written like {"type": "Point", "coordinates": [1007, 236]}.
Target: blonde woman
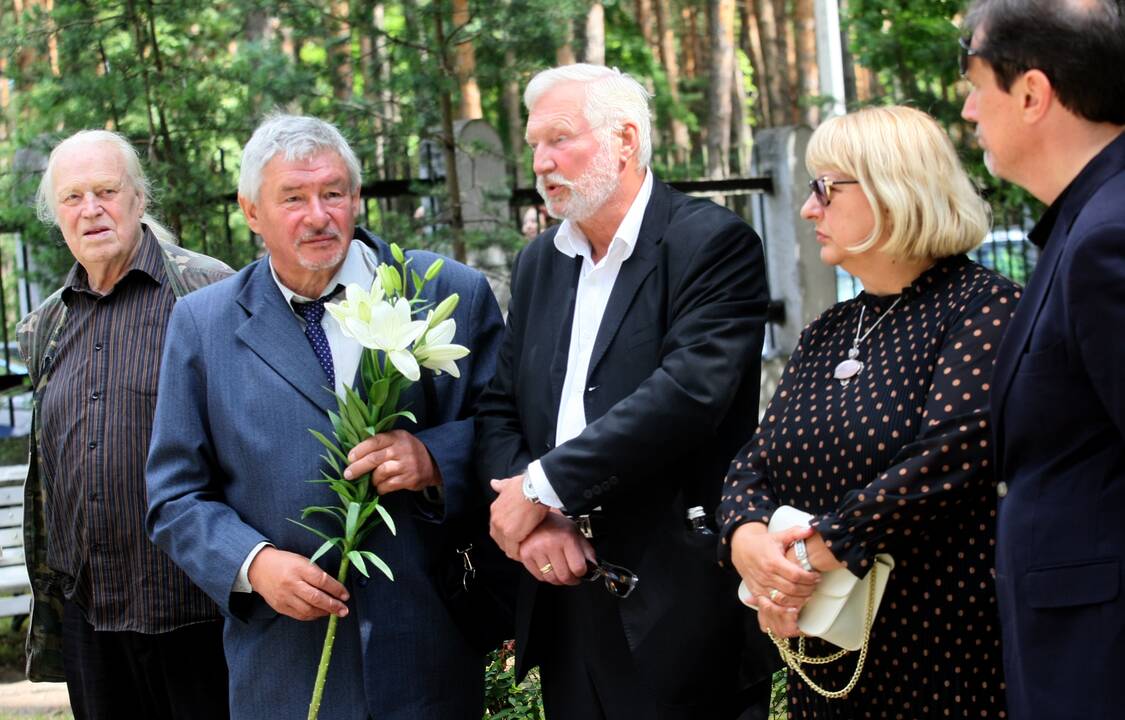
{"type": "Point", "coordinates": [879, 429]}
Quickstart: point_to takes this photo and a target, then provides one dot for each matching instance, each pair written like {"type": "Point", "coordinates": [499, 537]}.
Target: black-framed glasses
{"type": "Point", "coordinates": [822, 188]}
{"type": "Point", "coordinates": [967, 51]}
{"type": "Point", "coordinates": [619, 581]}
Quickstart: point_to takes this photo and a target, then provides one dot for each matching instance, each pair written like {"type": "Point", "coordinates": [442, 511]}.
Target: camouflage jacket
{"type": "Point", "coordinates": [37, 335]}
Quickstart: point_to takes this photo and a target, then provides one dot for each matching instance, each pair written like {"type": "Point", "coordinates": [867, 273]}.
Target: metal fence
{"type": "Point", "coordinates": [1005, 249]}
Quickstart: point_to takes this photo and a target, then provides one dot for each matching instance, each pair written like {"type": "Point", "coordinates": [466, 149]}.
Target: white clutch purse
{"type": "Point", "coordinates": [841, 611]}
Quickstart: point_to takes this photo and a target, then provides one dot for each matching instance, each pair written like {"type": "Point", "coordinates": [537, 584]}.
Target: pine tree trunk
{"type": "Point", "coordinates": [512, 103]}
{"type": "Point", "coordinates": [595, 34]}
{"type": "Point", "coordinates": [564, 54]}
{"type": "Point", "coordinates": [681, 141]}
{"type": "Point", "coordinates": [809, 81]}
{"type": "Point", "coordinates": [466, 64]}
{"type": "Point", "coordinates": [751, 41]}
{"type": "Point", "coordinates": [341, 50]}
{"type": "Point", "coordinates": [722, 68]}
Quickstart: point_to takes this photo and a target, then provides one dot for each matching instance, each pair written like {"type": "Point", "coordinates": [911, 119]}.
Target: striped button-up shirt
{"type": "Point", "coordinates": [97, 412]}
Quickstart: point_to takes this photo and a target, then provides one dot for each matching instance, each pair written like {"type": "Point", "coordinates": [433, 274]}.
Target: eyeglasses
{"type": "Point", "coordinates": [967, 51]}
{"type": "Point", "coordinates": [619, 581]}
{"type": "Point", "coordinates": [822, 188]}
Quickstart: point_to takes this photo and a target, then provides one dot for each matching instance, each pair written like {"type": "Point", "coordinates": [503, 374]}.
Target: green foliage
{"type": "Point", "coordinates": [911, 45]}
{"type": "Point", "coordinates": [504, 699]}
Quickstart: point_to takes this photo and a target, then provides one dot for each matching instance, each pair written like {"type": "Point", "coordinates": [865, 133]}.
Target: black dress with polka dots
{"type": "Point", "coordinates": [897, 460]}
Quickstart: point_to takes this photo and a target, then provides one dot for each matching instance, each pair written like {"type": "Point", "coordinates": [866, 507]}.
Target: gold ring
{"type": "Point", "coordinates": [546, 568]}
{"type": "Point", "coordinates": [774, 594]}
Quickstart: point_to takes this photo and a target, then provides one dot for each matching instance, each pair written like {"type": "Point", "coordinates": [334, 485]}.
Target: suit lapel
{"type": "Point", "coordinates": [273, 333]}
{"type": "Point", "coordinates": [1023, 322]}
{"type": "Point", "coordinates": [557, 323]}
{"type": "Point", "coordinates": [633, 271]}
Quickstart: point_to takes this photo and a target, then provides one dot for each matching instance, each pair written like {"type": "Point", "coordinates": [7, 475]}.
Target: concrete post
{"type": "Point", "coordinates": [796, 275]}
{"type": "Point", "coordinates": [829, 53]}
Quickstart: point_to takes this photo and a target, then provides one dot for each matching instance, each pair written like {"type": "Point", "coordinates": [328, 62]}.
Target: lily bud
{"type": "Point", "coordinates": [444, 309]}
{"type": "Point", "coordinates": [434, 269]}
{"type": "Point", "coordinates": [397, 253]}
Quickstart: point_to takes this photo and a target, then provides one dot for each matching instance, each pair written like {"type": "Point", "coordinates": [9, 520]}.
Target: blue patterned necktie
{"type": "Point", "coordinates": [313, 313]}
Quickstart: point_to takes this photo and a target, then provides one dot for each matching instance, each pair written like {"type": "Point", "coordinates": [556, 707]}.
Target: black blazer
{"type": "Point", "coordinates": [1058, 413]}
{"type": "Point", "coordinates": [671, 395]}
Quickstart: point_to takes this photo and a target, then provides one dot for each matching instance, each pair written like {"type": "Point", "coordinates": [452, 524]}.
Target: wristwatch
{"type": "Point", "coordinates": [802, 553]}
{"type": "Point", "coordinates": [529, 493]}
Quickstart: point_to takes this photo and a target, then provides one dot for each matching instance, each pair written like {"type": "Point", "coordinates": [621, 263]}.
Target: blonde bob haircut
{"type": "Point", "coordinates": [923, 201]}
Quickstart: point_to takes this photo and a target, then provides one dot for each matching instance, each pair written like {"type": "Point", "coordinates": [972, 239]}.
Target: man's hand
{"type": "Point", "coordinates": [295, 587]}
{"type": "Point", "coordinates": [512, 517]}
{"type": "Point", "coordinates": [396, 460]}
{"type": "Point", "coordinates": [557, 543]}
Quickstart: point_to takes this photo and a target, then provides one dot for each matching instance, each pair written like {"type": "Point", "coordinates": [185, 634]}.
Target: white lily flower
{"type": "Point", "coordinates": [388, 328]}
{"type": "Point", "coordinates": [357, 306]}
{"type": "Point", "coordinates": [436, 352]}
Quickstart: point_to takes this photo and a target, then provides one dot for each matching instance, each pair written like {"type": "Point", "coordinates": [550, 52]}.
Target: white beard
{"type": "Point", "coordinates": [586, 195]}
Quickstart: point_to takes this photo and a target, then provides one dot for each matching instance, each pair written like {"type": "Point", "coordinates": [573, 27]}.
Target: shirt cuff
{"type": "Point", "coordinates": [242, 582]}
{"type": "Point", "coordinates": [543, 489]}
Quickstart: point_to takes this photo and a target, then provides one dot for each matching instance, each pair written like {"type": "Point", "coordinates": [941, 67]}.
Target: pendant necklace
{"type": "Point", "coordinates": [847, 369]}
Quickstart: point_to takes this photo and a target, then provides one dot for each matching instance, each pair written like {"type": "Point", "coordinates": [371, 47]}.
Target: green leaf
{"type": "Point", "coordinates": [357, 560]}
{"type": "Point", "coordinates": [378, 562]}
{"type": "Point", "coordinates": [329, 444]}
{"type": "Point", "coordinates": [325, 547]}
{"type": "Point", "coordinates": [355, 412]}
{"type": "Point", "coordinates": [386, 518]}
{"type": "Point", "coordinates": [377, 395]}
{"type": "Point", "coordinates": [389, 420]}
{"type": "Point", "coordinates": [313, 530]}
{"type": "Point", "coordinates": [353, 519]}
{"type": "Point", "coordinates": [336, 513]}
{"type": "Point", "coordinates": [417, 280]}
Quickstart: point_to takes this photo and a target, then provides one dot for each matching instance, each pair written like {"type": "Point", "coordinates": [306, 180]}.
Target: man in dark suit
{"type": "Point", "coordinates": [627, 380]}
{"type": "Point", "coordinates": [245, 378]}
{"type": "Point", "coordinates": [1048, 99]}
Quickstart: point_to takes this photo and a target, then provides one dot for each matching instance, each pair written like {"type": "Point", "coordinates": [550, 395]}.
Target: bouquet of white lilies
{"type": "Point", "coordinates": [396, 347]}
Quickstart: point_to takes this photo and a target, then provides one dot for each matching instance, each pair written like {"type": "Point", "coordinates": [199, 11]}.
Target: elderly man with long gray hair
{"type": "Point", "coordinates": [126, 628]}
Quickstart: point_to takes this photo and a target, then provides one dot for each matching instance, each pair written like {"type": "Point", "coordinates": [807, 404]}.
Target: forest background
{"type": "Point", "coordinates": [188, 80]}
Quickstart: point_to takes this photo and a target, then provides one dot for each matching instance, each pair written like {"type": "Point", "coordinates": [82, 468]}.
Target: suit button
{"type": "Point", "coordinates": [1001, 489]}
{"type": "Point", "coordinates": [550, 444]}
{"type": "Point", "coordinates": [597, 489]}
{"type": "Point", "coordinates": [612, 480]}
{"type": "Point", "coordinates": [587, 494]}
{"type": "Point", "coordinates": [362, 582]}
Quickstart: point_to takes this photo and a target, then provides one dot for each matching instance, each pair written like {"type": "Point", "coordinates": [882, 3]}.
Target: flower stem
{"type": "Point", "coordinates": [326, 652]}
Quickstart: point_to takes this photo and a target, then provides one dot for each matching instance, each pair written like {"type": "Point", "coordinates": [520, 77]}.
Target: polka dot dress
{"type": "Point", "coordinates": [898, 460]}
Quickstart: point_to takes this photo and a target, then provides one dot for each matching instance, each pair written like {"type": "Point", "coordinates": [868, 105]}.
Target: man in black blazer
{"type": "Point", "coordinates": [627, 380]}
{"type": "Point", "coordinates": [1048, 99]}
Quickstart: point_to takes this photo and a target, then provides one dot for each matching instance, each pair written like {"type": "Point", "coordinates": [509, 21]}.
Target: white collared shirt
{"type": "Point", "coordinates": [346, 352]}
{"type": "Point", "coordinates": [595, 284]}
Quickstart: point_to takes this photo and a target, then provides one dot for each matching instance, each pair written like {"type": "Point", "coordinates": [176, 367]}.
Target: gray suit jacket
{"type": "Point", "coordinates": [231, 460]}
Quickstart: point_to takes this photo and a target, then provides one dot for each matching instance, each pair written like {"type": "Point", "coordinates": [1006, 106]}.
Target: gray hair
{"type": "Point", "coordinates": [295, 137]}
{"type": "Point", "coordinates": [613, 98]}
{"type": "Point", "coordinates": [47, 203]}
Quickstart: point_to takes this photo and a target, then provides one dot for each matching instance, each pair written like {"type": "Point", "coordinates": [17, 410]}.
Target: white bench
{"type": "Point", "coordinates": [15, 588]}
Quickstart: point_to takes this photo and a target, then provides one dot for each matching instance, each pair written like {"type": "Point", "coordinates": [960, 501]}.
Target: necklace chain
{"type": "Point", "coordinates": [860, 338]}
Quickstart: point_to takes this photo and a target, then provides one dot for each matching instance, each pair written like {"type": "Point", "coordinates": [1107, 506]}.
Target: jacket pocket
{"type": "Point", "coordinates": [1084, 583]}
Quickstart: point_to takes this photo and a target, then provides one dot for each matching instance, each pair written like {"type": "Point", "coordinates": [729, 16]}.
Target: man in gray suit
{"type": "Point", "coordinates": [246, 373]}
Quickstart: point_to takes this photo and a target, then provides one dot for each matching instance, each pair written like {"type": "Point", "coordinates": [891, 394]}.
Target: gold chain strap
{"type": "Point", "coordinates": [795, 658]}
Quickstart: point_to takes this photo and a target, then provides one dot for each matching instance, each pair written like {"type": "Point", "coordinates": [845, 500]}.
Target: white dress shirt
{"type": "Point", "coordinates": [346, 352]}
{"type": "Point", "coordinates": [595, 284]}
